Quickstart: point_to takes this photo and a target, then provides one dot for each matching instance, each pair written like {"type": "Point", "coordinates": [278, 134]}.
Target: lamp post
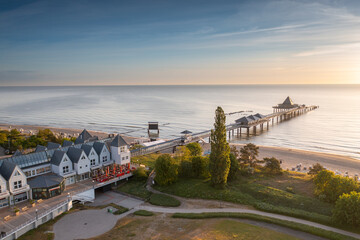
{"type": "Point", "coordinates": [36, 211]}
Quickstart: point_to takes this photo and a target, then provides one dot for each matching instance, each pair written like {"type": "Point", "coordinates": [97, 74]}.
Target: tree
{"type": "Point", "coordinates": [248, 154]}
{"type": "Point", "coordinates": [272, 165]}
{"type": "Point", "coordinates": [219, 157]}
{"type": "Point", "coordinates": [200, 166]}
{"type": "Point", "coordinates": [347, 209]}
{"type": "Point", "coordinates": [316, 168]}
{"type": "Point", "coordinates": [329, 187]}
{"type": "Point", "coordinates": [182, 153]}
{"type": "Point", "coordinates": [234, 167]}
{"type": "Point", "coordinates": [166, 170]}
{"type": "Point", "coordinates": [194, 148]}
{"type": "Point", "coordinates": [185, 169]}
{"type": "Point", "coordinates": [140, 174]}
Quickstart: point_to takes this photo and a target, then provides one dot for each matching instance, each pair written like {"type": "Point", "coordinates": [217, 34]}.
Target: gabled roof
{"type": "Point", "coordinates": [86, 148]}
{"type": "Point", "coordinates": [40, 148]}
{"type": "Point", "coordinates": [52, 145]}
{"type": "Point", "coordinates": [98, 146]}
{"type": "Point", "coordinates": [253, 117]}
{"type": "Point", "coordinates": [74, 154]}
{"type": "Point", "coordinates": [17, 153]}
{"type": "Point", "coordinates": [79, 141]}
{"type": "Point", "coordinates": [85, 135]}
{"type": "Point", "coordinates": [6, 169]}
{"type": "Point", "coordinates": [259, 115]}
{"type": "Point", "coordinates": [57, 157]}
{"type": "Point", "coordinates": [243, 120]}
{"type": "Point", "coordinates": [45, 181]}
{"type": "Point", "coordinates": [67, 143]}
{"type": "Point", "coordinates": [186, 132]}
{"type": "Point", "coordinates": [118, 141]}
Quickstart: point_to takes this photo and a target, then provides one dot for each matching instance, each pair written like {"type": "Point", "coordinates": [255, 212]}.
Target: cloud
{"type": "Point", "coordinates": [329, 49]}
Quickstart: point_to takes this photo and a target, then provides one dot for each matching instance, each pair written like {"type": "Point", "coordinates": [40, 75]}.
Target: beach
{"type": "Point", "coordinates": [292, 157]}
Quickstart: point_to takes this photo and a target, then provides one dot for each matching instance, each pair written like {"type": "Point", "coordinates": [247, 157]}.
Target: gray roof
{"type": "Point", "coordinates": [259, 115]}
{"type": "Point", "coordinates": [86, 148]}
{"type": "Point", "coordinates": [288, 101]}
{"type": "Point", "coordinates": [57, 157]}
{"type": "Point", "coordinates": [255, 118]}
{"type": "Point", "coordinates": [45, 181]}
{"type": "Point", "coordinates": [118, 141]}
{"type": "Point", "coordinates": [67, 143]}
{"type": "Point", "coordinates": [17, 153]}
{"type": "Point", "coordinates": [85, 135]}
{"type": "Point", "coordinates": [98, 146]}
{"type": "Point", "coordinates": [186, 132]}
{"type": "Point", "coordinates": [74, 154]}
{"type": "Point", "coordinates": [6, 169]}
{"type": "Point", "coordinates": [79, 141]}
{"type": "Point", "coordinates": [244, 120]}
{"type": "Point", "coordinates": [40, 148]}
{"type": "Point", "coordinates": [52, 145]}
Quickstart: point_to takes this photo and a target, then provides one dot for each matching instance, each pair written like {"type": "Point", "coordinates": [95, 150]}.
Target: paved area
{"type": "Point", "coordinates": [114, 197]}
{"type": "Point", "coordinates": [86, 224]}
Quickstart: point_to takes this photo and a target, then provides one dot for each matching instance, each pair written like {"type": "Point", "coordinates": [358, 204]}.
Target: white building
{"type": "Point", "coordinates": [103, 153]}
{"type": "Point", "coordinates": [120, 152]}
{"type": "Point", "coordinates": [81, 163]}
{"type": "Point", "coordinates": [92, 156]}
{"type": "Point", "coordinates": [63, 166]}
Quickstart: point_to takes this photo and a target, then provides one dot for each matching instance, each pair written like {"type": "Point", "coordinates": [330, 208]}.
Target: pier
{"type": "Point", "coordinates": [246, 125]}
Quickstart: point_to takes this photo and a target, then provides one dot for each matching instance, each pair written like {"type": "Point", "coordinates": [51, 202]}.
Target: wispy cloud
{"type": "Point", "coordinates": [329, 49]}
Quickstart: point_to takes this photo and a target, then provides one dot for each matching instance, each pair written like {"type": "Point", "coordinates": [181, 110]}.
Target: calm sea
{"type": "Point", "coordinates": [333, 128]}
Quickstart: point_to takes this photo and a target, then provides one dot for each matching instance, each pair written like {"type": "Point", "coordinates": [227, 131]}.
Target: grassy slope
{"type": "Point", "coordinates": [292, 225]}
{"type": "Point", "coordinates": [262, 192]}
{"type": "Point", "coordinates": [163, 200]}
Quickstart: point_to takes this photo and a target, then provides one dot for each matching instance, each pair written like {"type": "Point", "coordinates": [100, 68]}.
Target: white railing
{"type": "Point", "coordinates": [31, 221]}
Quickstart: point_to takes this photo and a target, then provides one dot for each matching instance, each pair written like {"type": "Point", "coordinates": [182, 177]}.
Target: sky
{"type": "Point", "coordinates": [131, 42]}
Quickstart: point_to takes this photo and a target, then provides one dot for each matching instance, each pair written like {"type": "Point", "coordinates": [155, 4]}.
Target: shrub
{"type": "Point", "coordinates": [140, 174]}
{"type": "Point", "coordinates": [316, 168]}
{"type": "Point", "coordinates": [143, 213]}
{"type": "Point", "coordinates": [164, 200]}
{"type": "Point", "coordinates": [347, 209]}
{"type": "Point", "coordinates": [194, 148]}
{"type": "Point", "coordinates": [166, 170]}
{"type": "Point", "coordinates": [234, 167]}
{"type": "Point", "coordinates": [200, 166]}
{"type": "Point", "coordinates": [272, 165]}
{"type": "Point", "coordinates": [185, 169]}
{"type": "Point", "coordinates": [326, 183]}
{"type": "Point", "coordinates": [290, 189]}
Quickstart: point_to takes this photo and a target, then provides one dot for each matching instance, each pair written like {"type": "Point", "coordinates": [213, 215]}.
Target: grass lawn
{"type": "Point", "coordinates": [292, 225]}
{"type": "Point", "coordinates": [163, 200]}
{"type": "Point", "coordinates": [156, 227]}
{"type": "Point", "coordinates": [264, 192]}
{"type": "Point", "coordinates": [136, 188]}
{"type": "Point", "coordinates": [147, 160]}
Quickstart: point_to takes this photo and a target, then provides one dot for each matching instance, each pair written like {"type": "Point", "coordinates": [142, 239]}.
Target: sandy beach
{"type": "Point", "coordinates": [291, 157]}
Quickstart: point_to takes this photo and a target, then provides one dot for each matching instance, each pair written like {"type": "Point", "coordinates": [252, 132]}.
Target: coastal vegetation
{"type": "Point", "coordinates": [13, 140]}
{"type": "Point", "coordinates": [163, 200]}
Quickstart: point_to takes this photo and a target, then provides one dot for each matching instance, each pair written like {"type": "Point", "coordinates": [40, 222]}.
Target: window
{"type": "Point", "coordinates": [17, 173]}
{"type": "Point", "coordinates": [66, 169]}
{"type": "Point", "coordinates": [27, 173]}
{"type": "Point", "coordinates": [80, 167]}
{"type": "Point", "coordinates": [0, 189]}
{"type": "Point", "coordinates": [65, 160]}
{"type": "Point", "coordinates": [127, 157]}
{"type": "Point", "coordinates": [123, 158]}
{"type": "Point", "coordinates": [92, 162]}
{"type": "Point", "coordinates": [92, 153]}
{"type": "Point", "coordinates": [83, 157]}
{"type": "Point", "coordinates": [104, 158]}
{"type": "Point", "coordinates": [17, 184]}
{"type": "Point", "coordinates": [122, 149]}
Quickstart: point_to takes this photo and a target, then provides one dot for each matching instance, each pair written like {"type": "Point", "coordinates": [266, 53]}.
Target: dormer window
{"type": "Point", "coordinates": [17, 184]}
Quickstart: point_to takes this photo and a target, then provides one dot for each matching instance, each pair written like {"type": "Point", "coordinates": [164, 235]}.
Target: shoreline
{"type": "Point", "coordinates": [290, 157]}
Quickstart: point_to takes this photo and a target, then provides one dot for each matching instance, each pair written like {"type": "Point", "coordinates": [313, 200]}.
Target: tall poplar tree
{"type": "Point", "coordinates": [220, 151]}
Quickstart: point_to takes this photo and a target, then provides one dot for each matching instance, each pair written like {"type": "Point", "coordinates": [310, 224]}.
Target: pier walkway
{"type": "Point", "coordinates": [247, 123]}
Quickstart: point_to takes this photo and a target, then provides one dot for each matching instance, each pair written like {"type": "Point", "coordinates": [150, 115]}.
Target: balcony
{"type": "Point", "coordinates": [20, 190]}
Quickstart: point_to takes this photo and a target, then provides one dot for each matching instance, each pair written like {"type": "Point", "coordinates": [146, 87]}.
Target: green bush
{"type": "Point", "coordinates": [164, 200]}
{"type": "Point", "coordinates": [272, 165]}
{"type": "Point", "coordinates": [234, 168]}
{"type": "Point", "coordinates": [200, 166]}
{"type": "Point", "coordinates": [194, 148]}
{"type": "Point", "coordinates": [315, 169]}
{"type": "Point", "coordinates": [140, 174]}
{"type": "Point", "coordinates": [166, 170]}
{"type": "Point", "coordinates": [347, 209]}
{"type": "Point", "coordinates": [185, 169]}
{"type": "Point", "coordinates": [120, 210]}
{"type": "Point", "coordinates": [330, 186]}
{"type": "Point", "coordinates": [289, 190]}
{"type": "Point", "coordinates": [143, 213]}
